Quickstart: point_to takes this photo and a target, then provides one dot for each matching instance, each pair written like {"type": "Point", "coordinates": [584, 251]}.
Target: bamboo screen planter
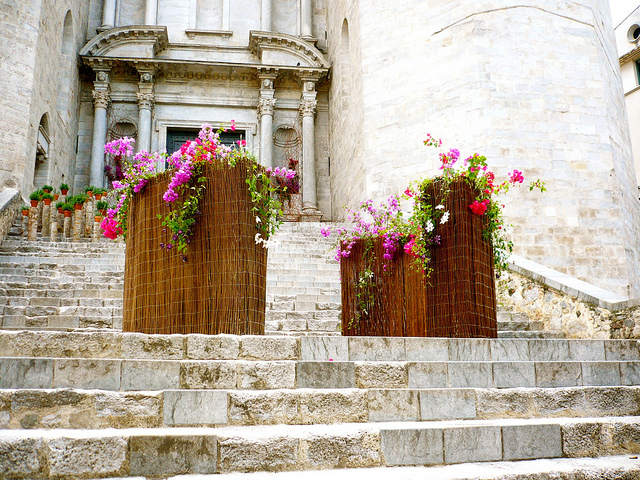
{"type": "Point", "coordinates": [459, 300]}
{"type": "Point", "coordinates": [222, 286]}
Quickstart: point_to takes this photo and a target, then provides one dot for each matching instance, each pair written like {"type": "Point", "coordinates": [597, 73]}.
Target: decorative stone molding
{"type": "Point", "coordinates": [101, 99]}
{"type": "Point", "coordinates": [146, 100]}
{"type": "Point", "coordinates": [308, 108]}
{"type": "Point", "coordinates": [302, 51]}
{"type": "Point", "coordinates": [266, 106]}
{"type": "Point", "coordinates": [104, 43]}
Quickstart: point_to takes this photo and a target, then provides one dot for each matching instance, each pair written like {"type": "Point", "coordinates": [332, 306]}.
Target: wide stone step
{"type": "Point", "coordinates": [620, 467]}
{"type": "Point", "coordinates": [532, 334]}
{"type": "Point", "coordinates": [310, 348]}
{"type": "Point", "coordinates": [85, 409]}
{"type": "Point", "coordinates": [164, 452]}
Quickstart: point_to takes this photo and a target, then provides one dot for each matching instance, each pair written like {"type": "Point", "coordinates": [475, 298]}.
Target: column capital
{"type": "Point", "coordinates": [146, 100]}
{"type": "Point", "coordinates": [266, 106]}
{"type": "Point", "coordinates": [101, 99]}
{"type": "Point", "coordinates": [308, 107]}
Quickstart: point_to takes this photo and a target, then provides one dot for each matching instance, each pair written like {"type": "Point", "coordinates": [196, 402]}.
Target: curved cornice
{"type": "Point", "coordinates": [102, 44]}
{"type": "Point", "coordinates": [260, 41]}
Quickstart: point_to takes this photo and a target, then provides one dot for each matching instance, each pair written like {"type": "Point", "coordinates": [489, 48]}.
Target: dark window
{"type": "Point", "coordinates": [177, 136]}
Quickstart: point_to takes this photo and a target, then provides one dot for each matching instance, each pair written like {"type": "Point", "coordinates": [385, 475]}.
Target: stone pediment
{"type": "Point", "coordinates": [138, 41]}
{"type": "Point", "coordinates": [279, 49]}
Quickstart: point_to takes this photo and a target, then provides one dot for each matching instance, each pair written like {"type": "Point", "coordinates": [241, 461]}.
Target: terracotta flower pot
{"type": "Point", "coordinates": [78, 206]}
{"type": "Point", "coordinates": [47, 201]}
{"type": "Point", "coordinates": [25, 212]}
{"type": "Point", "coordinates": [89, 193]}
{"type": "Point", "coordinates": [103, 212]}
{"type": "Point", "coordinates": [98, 218]}
{"type": "Point", "coordinates": [64, 191]}
{"type": "Point", "coordinates": [46, 190]}
{"type": "Point", "coordinates": [98, 196]}
{"type": "Point", "coordinates": [34, 203]}
{"type": "Point", "coordinates": [56, 196]}
{"type": "Point", "coordinates": [60, 210]}
{"type": "Point", "coordinates": [67, 213]}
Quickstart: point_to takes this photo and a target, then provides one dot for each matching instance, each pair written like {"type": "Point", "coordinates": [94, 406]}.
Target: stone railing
{"type": "Point", "coordinates": [9, 206]}
{"type": "Point", "coordinates": [46, 222]}
{"type": "Point", "coordinates": [566, 304]}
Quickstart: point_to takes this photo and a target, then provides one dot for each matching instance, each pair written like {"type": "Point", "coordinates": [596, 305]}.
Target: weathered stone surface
{"type": "Point", "coordinates": [212, 347]}
{"type": "Point", "coordinates": [510, 350]}
{"type": "Point", "coordinates": [85, 373]}
{"type": "Point", "coordinates": [344, 406]}
{"type": "Point", "coordinates": [621, 350]}
{"type": "Point", "coordinates": [590, 350]}
{"type": "Point", "coordinates": [209, 374]}
{"type": "Point", "coordinates": [472, 444]}
{"type": "Point", "coordinates": [558, 402]}
{"type": "Point", "coordinates": [601, 373]}
{"type": "Point", "coordinates": [324, 349]}
{"type": "Point", "coordinates": [583, 440]}
{"type": "Point", "coordinates": [469, 349]}
{"type": "Point", "coordinates": [269, 348]}
{"type": "Point", "coordinates": [354, 450]}
{"type": "Point", "coordinates": [160, 455]}
{"type": "Point", "coordinates": [467, 374]}
{"type": "Point", "coordinates": [326, 374]}
{"type": "Point", "coordinates": [127, 410]}
{"type": "Point", "coordinates": [266, 375]}
{"type": "Point", "coordinates": [514, 374]}
{"type": "Point", "coordinates": [271, 454]}
{"type": "Point", "coordinates": [447, 404]}
{"type": "Point", "coordinates": [412, 446]}
{"type": "Point", "coordinates": [428, 375]}
{"type": "Point", "coordinates": [504, 403]}
{"type": "Point", "coordinates": [630, 373]}
{"type": "Point", "coordinates": [523, 442]}
{"type": "Point", "coordinates": [393, 405]}
{"type": "Point", "coordinates": [381, 375]}
{"type": "Point", "coordinates": [263, 408]}
{"type": "Point", "coordinates": [549, 350]}
{"type": "Point", "coordinates": [161, 347]}
{"type": "Point", "coordinates": [423, 349]}
{"type": "Point", "coordinates": [84, 456]}
{"type": "Point", "coordinates": [21, 457]}
{"type": "Point", "coordinates": [378, 349]}
{"type": "Point", "coordinates": [26, 373]}
{"type": "Point", "coordinates": [63, 345]}
{"type": "Point", "coordinates": [195, 407]}
{"type": "Point", "coordinates": [150, 375]}
{"type": "Point", "coordinates": [612, 401]}
{"type": "Point", "coordinates": [558, 374]}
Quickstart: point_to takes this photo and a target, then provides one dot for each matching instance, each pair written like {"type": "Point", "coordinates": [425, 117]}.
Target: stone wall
{"type": "Point", "coordinates": [533, 87]}
{"type": "Point", "coordinates": [10, 203]}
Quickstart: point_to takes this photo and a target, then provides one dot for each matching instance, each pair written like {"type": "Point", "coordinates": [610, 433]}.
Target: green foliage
{"type": "Point", "coordinates": [64, 186]}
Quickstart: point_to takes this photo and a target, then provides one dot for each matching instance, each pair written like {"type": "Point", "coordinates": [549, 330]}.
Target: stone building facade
{"type": "Point", "coordinates": [350, 88]}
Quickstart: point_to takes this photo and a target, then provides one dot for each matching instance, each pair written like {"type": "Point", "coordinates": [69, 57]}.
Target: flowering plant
{"type": "Point", "coordinates": [418, 234]}
{"type": "Point", "coordinates": [187, 184]}
{"type": "Point", "coordinates": [119, 150]}
{"type": "Point", "coordinates": [287, 181]}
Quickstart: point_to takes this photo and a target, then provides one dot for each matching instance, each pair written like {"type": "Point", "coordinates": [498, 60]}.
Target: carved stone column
{"type": "Point", "coordinates": [145, 105]}
{"type": "Point", "coordinates": [308, 110]}
{"type": "Point", "coordinates": [109, 14]}
{"type": "Point", "coordinates": [151, 12]}
{"type": "Point", "coordinates": [265, 24]}
{"type": "Point", "coordinates": [101, 101]}
{"type": "Point", "coordinates": [306, 13]}
{"type": "Point", "coordinates": [266, 106]}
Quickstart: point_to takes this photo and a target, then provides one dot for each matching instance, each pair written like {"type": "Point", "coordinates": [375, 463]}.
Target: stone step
{"type": "Point", "coordinates": [310, 348]}
{"type": "Point", "coordinates": [135, 374]}
{"type": "Point", "coordinates": [163, 452]}
{"type": "Point", "coordinates": [532, 334]}
{"type": "Point", "coordinates": [621, 467]}
{"type": "Point", "coordinates": [95, 409]}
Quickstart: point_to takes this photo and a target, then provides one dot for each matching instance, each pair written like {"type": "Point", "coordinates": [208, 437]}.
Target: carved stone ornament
{"type": "Point", "coordinates": [267, 83]}
{"type": "Point", "coordinates": [266, 106]}
{"type": "Point", "coordinates": [146, 78]}
{"type": "Point", "coordinates": [308, 107]}
{"type": "Point", "coordinates": [309, 86]}
{"type": "Point", "coordinates": [102, 77]}
{"type": "Point", "coordinates": [101, 99]}
{"type": "Point", "coordinates": [146, 100]}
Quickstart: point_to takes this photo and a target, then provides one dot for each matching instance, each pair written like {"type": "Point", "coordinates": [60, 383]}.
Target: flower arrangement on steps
{"type": "Point", "coordinates": [287, 184]}
{"type": "Point", "coordinates": [433, 273]}
{"type": "Point", "coordinates": [196, 238]}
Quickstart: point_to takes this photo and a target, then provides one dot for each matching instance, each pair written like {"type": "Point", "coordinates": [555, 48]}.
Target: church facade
{"type": "Point", "coordinates": [348, 89]}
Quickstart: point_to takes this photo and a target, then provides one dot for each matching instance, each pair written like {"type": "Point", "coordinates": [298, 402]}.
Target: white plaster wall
{"type": "Point", "coordinates": [533, 85]}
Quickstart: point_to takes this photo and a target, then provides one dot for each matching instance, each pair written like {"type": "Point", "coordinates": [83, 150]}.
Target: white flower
{"type": "Point", "coordinates": [258, 239]}
{"type": "Point", "coordinates": [258, 220]}
{"type": "Point", "coordinates": [445, 217]}
{"type": "Point", "coordinates": [429, 227]}
{"type": "Point", "coordinates": [440, 207]}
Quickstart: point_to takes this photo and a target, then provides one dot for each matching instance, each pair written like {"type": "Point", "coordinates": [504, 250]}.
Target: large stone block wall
{"type": "Point", "coordinates": [532, 86]}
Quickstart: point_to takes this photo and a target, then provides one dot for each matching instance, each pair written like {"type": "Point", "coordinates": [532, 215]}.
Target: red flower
{"type": "Point", "coordinates": [479, 208]}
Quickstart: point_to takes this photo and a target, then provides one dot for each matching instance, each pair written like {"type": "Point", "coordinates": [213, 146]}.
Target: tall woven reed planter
{"type": "Point", "coordinates": [458, 300]}
{"type": "Point", "coordinates": [221, 288]}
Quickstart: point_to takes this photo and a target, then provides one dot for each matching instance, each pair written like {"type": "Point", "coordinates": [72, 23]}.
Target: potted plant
{"type": "Point", "coordinates": [64, 188]}
{"type": "Point", "coordinates": [25, 210]}
{"type": "Point", "coordinates": [89, 191]}
{"type": "Point", "coordinates": [47, 197]}
{"type": "Point", "coordinates": [287, 184]}
{"type": "Point", "coordinates": [78, 201]}
{"type": "Point", "coordinates": [35, 197]}
{"type": "Point", "coordinates": [47, 188]}
{"type": "Point", "coordinates": [98, 192]}
{"type": "Point", "coordinates": [67, 209]}
{"type": "Point", "coordinates": [59, 206]}
{"type": "Point", "coordinates": [102, 207]}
